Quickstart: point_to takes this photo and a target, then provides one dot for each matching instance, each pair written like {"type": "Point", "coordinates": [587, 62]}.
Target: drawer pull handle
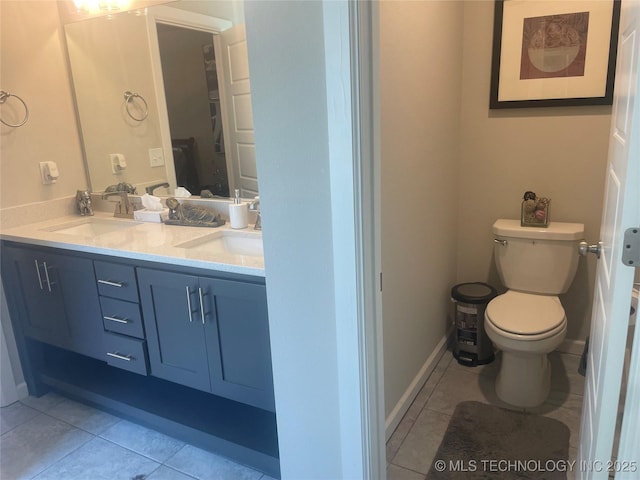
{"type": "Point", "coordinates": [201, 304]}
{"type": "Point", "coordinates": [116, 319]}
{"type": "Point", "coordinates": [39, 277]}
{"type": "Point", "coordinates": [189, 305]}
{"type": "Point", "coordinates": [111, 284]}
{"type": "Point", "coordinates": [127, 358]}
{"type": "Point", "coordinates": [46, 274]}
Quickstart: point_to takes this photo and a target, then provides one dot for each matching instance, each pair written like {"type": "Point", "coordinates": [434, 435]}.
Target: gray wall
{"type": "Point", "coordinates": [560, 153]}
{"type": "Point", "coordinates": [451, 167]}
{"type": "Point", "coordinates": [420, 83]}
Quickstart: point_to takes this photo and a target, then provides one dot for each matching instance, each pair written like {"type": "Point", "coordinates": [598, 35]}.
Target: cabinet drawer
{"type": "Point", "coordinates": [126, 353]}
{"type": "Point", "coordinates": [117, 281]}
{"type": "Point", "coordinates": [121, 317]}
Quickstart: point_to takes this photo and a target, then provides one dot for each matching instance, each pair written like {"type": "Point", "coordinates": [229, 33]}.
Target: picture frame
{"type": "Point", "coordinates": [548, 54]}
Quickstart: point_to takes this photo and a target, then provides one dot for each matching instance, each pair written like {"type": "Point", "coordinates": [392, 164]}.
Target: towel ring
{"type": "Point", "coordinates": [128, 98]}
{"type": "Point", "coordinates": [4, 96]}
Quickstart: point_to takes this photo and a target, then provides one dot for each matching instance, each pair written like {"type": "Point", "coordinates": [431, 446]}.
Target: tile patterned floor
{"type": "Point", "coordinates": [412, 447]}
{"type": "Point", "coordinates": [53, 438]}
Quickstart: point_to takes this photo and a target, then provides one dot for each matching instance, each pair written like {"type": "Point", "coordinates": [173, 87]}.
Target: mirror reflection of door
{"type": "Point", "coordinates": [190, 78]}
{"type": "Point", "coordinates": [233, 62]}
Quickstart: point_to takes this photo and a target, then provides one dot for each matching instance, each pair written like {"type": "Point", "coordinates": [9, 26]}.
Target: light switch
{"type": "Point", "coordinates": [156, 157]}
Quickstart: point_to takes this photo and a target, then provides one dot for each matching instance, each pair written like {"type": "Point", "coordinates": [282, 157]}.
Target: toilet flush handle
{"type": "Point", "coordinates": [501, 242]}
{"type": "Point", "coordinates": [584, 248]}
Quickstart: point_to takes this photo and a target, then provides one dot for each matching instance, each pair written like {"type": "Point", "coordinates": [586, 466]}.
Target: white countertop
{"type": "Point", "coordinates": [155, 242]}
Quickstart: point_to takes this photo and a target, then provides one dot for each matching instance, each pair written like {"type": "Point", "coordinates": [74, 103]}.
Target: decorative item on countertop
{"type": "Point", "coordinates": [238, 212]}
{"type": "Point", "coordinates": [153, 210]}
{"type": "Point", "coordinates": [121, 187]}
{"type": "Point", "coordinates": [181, 192]}
{"type": "Point", "coordinates": [535, 210]}
{"type": "Point", "coordinates": [83, 201]}
{"type": "Point", "coordinates": [206, 194]}
{"type": "Point", "coordinates": [191, 215]}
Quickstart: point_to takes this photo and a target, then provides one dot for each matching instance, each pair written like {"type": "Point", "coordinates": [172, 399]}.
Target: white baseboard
{"type": "Point", "coordinates": [574, 347]}
{"type": "Point", "coordinates": [394, 418]}
{"type": "Point", "coordinates": [22, 390]}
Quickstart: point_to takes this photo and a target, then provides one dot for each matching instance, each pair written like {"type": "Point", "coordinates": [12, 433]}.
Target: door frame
{"type": "Point", "coordinates": [363, 22]}
{"type": "Point", "coordinates": [185, 19]}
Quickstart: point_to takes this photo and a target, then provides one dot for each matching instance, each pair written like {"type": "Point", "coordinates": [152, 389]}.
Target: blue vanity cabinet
{"type": "Point", "coordinates": [237, 334]}
{"type": "Point", "coordinates": [180, 349]}
{"type": "Point", "coordinates": [209, 333]}
{"type": "Point", "coordinates": [56, 297]}
{"type": "Point", "coordinates": [175, 331]}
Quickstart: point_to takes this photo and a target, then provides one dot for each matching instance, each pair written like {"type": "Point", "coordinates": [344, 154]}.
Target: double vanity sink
{"type": "Point", "coordinates": [221, 248]}
{"type": "Point", "coordinates": [143, 318]}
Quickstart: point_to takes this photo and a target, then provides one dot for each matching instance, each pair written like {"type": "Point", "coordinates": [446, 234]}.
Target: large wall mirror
{"type": "Point", "coordinates": [163, 96]}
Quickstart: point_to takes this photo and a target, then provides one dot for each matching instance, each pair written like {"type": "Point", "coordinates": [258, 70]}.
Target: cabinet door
{"type": "Point", "coordinates": [40, 306]}
{"type": "Point", "coordinates": [175, 331]}
{"type": "Point", "coordinates": [74, 279]}
{"type": "Point", "coordinates": [59, 300]}
{"type": "Point", "coordinates": [237, 334]}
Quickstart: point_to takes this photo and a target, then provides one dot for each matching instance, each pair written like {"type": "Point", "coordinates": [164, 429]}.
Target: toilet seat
{"type": "Point", "coordinates": [524, 314]}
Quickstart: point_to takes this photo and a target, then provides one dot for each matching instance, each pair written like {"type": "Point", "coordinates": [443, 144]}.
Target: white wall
{"type": "Point", "coordinates": [420, 82]}
{"type": "Point", "coordinates": [318, 408]}
{"type": "Point", "coordinates": [558, 152]}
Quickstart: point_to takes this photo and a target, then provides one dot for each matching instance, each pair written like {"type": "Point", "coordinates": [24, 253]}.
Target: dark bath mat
{"type": "Point", "coordinates": [487, 442]}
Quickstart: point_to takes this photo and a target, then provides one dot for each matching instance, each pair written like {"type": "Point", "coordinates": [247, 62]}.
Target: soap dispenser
{"type": "Point", "coordinates": [238, 213]}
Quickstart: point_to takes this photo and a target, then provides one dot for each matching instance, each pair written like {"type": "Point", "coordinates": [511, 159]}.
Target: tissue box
{"type": "Point", "coordinates": [145, 215]}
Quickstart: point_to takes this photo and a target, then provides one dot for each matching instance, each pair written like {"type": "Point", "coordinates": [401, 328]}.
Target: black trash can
{"type": "Point", "coordinates": [472, 346]}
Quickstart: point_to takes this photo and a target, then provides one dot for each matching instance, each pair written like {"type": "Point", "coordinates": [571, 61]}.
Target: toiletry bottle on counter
{"type": "Point", "coordinates": [238, 213]}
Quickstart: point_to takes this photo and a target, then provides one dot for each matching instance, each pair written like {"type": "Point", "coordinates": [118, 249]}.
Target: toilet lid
{"type": "Point", "coordinates": [524, 313]}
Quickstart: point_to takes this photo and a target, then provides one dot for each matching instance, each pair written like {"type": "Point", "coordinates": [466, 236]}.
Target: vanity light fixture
{"type": "Point", "coordinates": [97, 6]}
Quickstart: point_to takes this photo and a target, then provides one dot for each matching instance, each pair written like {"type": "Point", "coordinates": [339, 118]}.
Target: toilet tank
{"type": "Point", "coordinates": [537, 260]}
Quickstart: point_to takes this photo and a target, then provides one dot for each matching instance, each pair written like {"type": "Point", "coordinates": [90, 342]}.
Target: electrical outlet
{"type": "Point", "coordinates": [49, 172]}
{"type": "Point", "coordinates": [156, 157]}
{"type": "Point", "coordinates": [118, 163]}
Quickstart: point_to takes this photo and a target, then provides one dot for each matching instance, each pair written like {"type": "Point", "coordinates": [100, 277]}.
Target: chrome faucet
{"type": "Point", "coordinates": [124, 209]}
{"type": "Point", "coordinates": [255, 207]}
{"type": "Point", "coordinates": [151, 188]}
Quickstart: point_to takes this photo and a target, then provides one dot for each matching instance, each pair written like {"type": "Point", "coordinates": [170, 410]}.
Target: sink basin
{"type": "Point", "coordinates": [91, 227]}
{"type": "Point", "coordinates": [234, 243]}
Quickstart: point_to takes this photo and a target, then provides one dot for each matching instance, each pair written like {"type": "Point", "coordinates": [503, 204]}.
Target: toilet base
{"type": "Point", "coordinates": [524, 379]}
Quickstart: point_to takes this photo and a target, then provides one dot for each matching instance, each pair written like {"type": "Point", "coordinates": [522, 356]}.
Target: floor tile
{"type": "Point", "coordinates": [429, 386]}
{"type": "Point", "coordinates": [99, 459]}
{"type": "Point", "coordinates": [564, 373]}
{"type": "Point", "coordinates": [570, 417]}
{"type": "Point", "coordinates": [143, 440]}
{"type": "Point", "coordinates": [490, 369]}
{"type": "Point", "coordinates": [395, 472]}
{"type": "Point", "coordinates": [458, 386]}
{"type": "Point", "coordinates": [398, 436]}
{"type": "Point", "coordinates": [208, 466]}
{"type": "Point", "coordinates": [43, 403]}
{"type": "Point", "coordinates": [166, 473]}
{"type": "Point", "coordinates": [33, 446]}
{"type": "Point", "coordinates": [15, 414]}
{"type": "Point", "coordinates": [82, 416]}
{"type": "Point", "coordinates": [421, 443]}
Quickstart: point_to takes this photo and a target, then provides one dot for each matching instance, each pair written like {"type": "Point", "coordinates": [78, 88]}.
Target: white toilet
{"type": "Point", "coordinates": [528, 321]}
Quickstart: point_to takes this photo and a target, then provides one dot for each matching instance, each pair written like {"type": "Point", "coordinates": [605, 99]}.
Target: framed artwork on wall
{"type": "Point", "coordinates": [549, 54]}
